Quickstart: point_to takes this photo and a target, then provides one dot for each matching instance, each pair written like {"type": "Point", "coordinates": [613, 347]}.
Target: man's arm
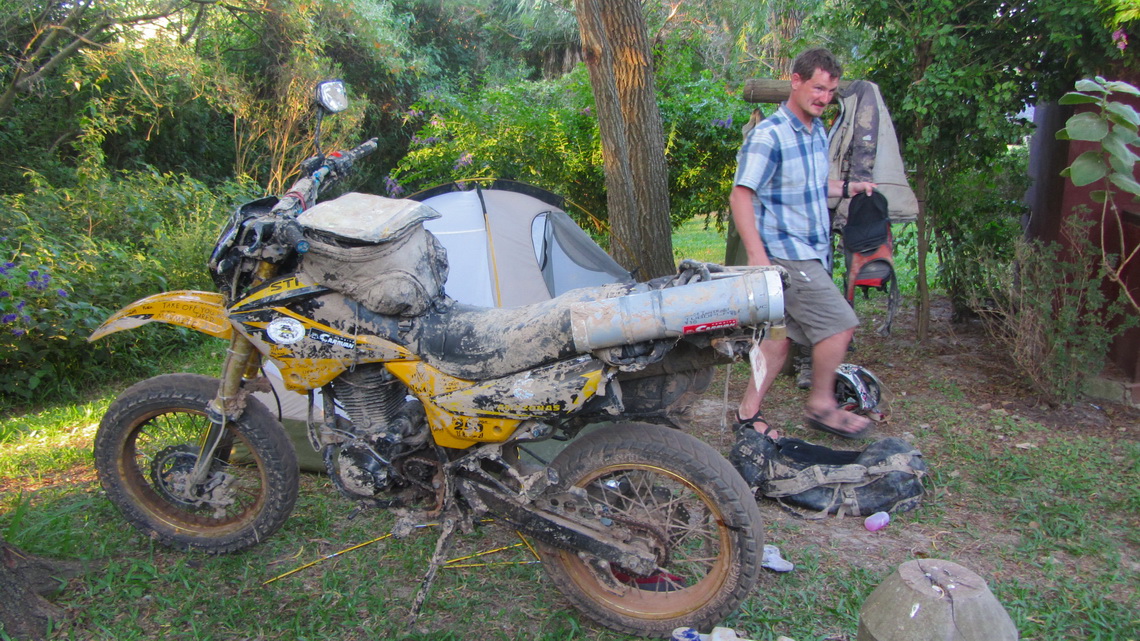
{"type": "Point", "coordinates": [835, 189]}
{"type": "Point", "coordinates": [744, 217]}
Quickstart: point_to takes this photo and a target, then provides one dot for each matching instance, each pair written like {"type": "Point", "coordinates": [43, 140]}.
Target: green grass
{"type": "Point", "coordinates": [1053, 527]}
{"type": "Point", "coordinates": [699, 239]}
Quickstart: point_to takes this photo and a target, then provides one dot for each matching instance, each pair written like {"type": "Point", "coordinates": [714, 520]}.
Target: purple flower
{"type": "Point", "coordinates": [1120, 38]}
{"type": "Point", "coordinates": [21, 305]}
{"type": "Point", "coordinates": [62, 293]}
{"type": "Point", "coordinates": [585, 111]}
{"type": "Point", "coordinates": [464, 160]}
{"type": "Point", "coordinates": [392, 187]}
{"type": "Point", "coordinates": [723, 123]}
{"type": "Point", "coordinates": [37, 281]}
{"type": "Point", "coordinates": [8, 318]}
{"type": "Point", "coordinates": [18, 332]}
{"type": "Point", "coordinates": [5, 294]}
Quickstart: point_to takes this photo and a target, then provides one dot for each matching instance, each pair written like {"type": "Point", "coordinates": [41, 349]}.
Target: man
{"type": "Point", "coordinates": [779, 207]}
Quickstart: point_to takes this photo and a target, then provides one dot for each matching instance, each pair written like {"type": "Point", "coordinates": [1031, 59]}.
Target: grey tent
{"type": "Point", "coordinates": [510, 243]}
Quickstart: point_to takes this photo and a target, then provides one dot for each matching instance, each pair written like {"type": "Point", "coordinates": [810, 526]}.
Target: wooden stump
{"type": "Point", "coordinates": [24, 579]}
{"type": "Point", "coordinates": [934, 600]}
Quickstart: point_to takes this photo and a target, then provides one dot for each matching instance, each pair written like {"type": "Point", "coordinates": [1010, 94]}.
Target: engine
{"type": "Point", "coordinates": [387, 427]}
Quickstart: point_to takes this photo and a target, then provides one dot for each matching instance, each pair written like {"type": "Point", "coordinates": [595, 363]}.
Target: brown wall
{"type": "Point", "coordinates": [1052, 198]}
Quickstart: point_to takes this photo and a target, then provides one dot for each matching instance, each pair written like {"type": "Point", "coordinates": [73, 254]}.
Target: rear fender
{"type": "Point", "coordinates": [200, 311]}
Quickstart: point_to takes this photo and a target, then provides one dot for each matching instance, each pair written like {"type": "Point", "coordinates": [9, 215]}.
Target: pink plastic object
{"type": "Point", "coordinates": [877, 521]}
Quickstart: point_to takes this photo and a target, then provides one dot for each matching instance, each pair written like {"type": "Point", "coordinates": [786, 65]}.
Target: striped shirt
{"type": "Point", "coordinates": [786, 167]}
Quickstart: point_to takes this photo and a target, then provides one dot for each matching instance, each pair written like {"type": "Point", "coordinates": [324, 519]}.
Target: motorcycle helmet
{"type": "Point", "coordinates": [858, 390]}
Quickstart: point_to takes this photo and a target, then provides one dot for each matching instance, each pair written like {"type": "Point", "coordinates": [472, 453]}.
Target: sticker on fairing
{"type": "Point", "coordinates": [708, 327]}
{"type": "Point", "coordinates": [333, 339]}
{"type": "Point", "coordinates": [285, 331]}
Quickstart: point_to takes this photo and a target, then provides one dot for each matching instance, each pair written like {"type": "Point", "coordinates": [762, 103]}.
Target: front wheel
{"type": "Point", "coordinates": [686, 502]}
{"type": "Point", "coordinates": [147, 445]}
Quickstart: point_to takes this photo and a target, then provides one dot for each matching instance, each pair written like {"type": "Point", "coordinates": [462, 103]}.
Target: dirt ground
{"type": "Point", "coordinates": [957, 370]}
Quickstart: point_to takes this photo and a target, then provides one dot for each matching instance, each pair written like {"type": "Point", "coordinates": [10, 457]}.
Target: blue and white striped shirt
{"type": "Point", "coordinates": [786, 167]}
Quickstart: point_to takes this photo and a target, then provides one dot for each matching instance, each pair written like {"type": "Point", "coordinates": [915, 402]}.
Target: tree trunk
{"type": "Point", "coordinates": [922, 310]}
{"type": "Point", "coordinates": [24, 613]}
{"type": "Point", "coordinates": [923, 59]}
{"type": "Point", "coordinates": [616, 49]}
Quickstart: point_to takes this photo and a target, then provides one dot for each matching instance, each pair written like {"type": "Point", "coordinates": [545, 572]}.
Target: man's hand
{"type": "Point", "coordinates": [841, 189]}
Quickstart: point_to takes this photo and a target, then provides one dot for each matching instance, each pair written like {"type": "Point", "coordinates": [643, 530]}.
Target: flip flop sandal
{"type": "Point", "coordinates": [815, 421]}
{"type": "Point", "coordinates": [750, 423]}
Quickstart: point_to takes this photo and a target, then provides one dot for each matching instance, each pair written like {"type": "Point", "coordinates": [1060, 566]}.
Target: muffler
{"type": "Point", "coordinates": [749, 297]}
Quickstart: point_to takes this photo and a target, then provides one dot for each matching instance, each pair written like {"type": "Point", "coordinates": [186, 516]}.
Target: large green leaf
{"type": "Point", "coordinates": [1115, 146]}
{"type": "Point", "coordinates": [1125, 182]}
{"type": "Point", "coordinates": [1118, 86]}
{"type": "Point", "coordinates": [1074, 98]}
{"type": "Point", "coordinates": [1087, 169]}
{"type": "Point", "coordinates": [1086, 126]}
{"type": "Point", "coordinates": [1090, 85]}
{"type": "Point", "coordinates": [1125, 112]}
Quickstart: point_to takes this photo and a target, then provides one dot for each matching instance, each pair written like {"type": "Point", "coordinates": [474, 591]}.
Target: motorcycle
{"type": "Point", "coordinates": [421, 403]}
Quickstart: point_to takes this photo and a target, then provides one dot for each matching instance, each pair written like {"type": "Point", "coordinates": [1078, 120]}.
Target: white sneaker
{"type": "Point", "coordinates": [773, 561]}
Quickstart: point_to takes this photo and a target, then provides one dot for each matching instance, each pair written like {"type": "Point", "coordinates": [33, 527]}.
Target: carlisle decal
{"type": "Point", "coordinates": [708, 327]}
{"type": "Point", "coordinates": [285, 331]}
{"type": "Point", "coordinates": [333, 339]}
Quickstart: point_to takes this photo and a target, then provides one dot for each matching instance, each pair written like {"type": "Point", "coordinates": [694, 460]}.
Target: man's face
{"type": "Point", "coordinates": [811, 96]}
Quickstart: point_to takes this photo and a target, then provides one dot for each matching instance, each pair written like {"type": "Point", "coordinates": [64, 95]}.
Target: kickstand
{"type": "Point", "coordinates": [447, 530]}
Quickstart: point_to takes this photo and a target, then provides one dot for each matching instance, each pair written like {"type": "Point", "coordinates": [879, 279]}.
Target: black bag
{"type": "Point", "coordinates": [868, 223]}
{"type": "Point", "coordinates": [816, 481]}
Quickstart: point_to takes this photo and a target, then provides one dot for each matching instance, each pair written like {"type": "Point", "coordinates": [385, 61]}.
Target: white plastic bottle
{"type": "Point", "coordinates": [877, 521]}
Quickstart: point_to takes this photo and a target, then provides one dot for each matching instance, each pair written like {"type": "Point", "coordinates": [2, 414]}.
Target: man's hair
{"type": "Point", "coordinates": [807, 62]}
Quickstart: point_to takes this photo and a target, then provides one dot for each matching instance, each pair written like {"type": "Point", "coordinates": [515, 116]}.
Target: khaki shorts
{"type": "Point", "coordinates": [814, 307]}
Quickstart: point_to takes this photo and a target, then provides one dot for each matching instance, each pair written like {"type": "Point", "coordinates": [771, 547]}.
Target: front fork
{"type": "Point", "coordinates": [242, 363]}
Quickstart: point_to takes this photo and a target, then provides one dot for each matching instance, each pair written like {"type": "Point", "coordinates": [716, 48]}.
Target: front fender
{"type": "Point", "coordinates": [200, 311]}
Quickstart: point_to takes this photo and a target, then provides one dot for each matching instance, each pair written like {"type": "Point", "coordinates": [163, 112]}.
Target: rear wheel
{"type": "Point", "coordinates": [682, 499]}
{"type": "Point", "coordinates": [147, 445]}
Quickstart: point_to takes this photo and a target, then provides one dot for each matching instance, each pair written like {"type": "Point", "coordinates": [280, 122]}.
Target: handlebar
{"type": "Point", "coordinates": [319, 174]}
{"type": "Point", "coordinates": [347, 158]}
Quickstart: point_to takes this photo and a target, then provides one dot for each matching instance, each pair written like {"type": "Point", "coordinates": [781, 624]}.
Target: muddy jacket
{"type": "Point", "coordinates": [863, 147]}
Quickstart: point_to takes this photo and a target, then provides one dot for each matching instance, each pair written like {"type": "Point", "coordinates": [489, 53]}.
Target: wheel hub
{"type": "Point", "coordinates": [170, 473]}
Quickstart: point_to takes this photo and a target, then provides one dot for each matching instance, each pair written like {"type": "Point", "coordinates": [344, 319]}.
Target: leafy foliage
{"type": "Point", "coordinates": [1113, 130]}
{"type": "Point", "coordinates": [545, 132]}
{"type": "Point", "coordinates": [979, 222]}
{"type": "Point", "coordinates": [1047, 305]}
{"type": "Point", "coordinates": [954, 75]}
{"type": "Point", "coordinates": [542, 132]}
{"type": "Point", "coordinates": [74, 255]}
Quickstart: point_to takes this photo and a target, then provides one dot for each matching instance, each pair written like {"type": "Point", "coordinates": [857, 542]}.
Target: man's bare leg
{"type": "Point", "coordinates": [826, 356]}
{"type": "Point", "coordinates": [774, 351]}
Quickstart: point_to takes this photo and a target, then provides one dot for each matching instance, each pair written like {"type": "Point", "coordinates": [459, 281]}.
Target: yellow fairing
{"type": "Point", "coordinates": [459, 411]}
{"type": "Point", "coordinates": [200, 311]}
{"type": "Point", "coordinates": [323, 354]}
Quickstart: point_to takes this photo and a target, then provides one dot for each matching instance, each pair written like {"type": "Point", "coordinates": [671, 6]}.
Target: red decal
{"type": "Point", "coordinates": [708, 327]}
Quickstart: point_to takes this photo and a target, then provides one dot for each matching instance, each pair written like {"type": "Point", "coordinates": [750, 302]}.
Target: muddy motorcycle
{"type": "Point", "coordinates": [422, 403]}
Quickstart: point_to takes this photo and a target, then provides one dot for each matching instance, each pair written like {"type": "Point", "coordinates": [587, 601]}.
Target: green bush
{"type": "Point", "coordinates": [540, 132]}
{"type": "Point", "coordinates": [976, 221]}
{"type": "Point", "coordinates": [546, 133]}
{"type": "Point", "coordinates": [72, 256]}
{"type": "Point", "coordinates": [1048, 306]}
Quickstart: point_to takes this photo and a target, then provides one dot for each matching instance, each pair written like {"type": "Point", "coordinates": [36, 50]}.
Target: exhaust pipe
{"type": "Point", "coordinates": [750, 297]}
